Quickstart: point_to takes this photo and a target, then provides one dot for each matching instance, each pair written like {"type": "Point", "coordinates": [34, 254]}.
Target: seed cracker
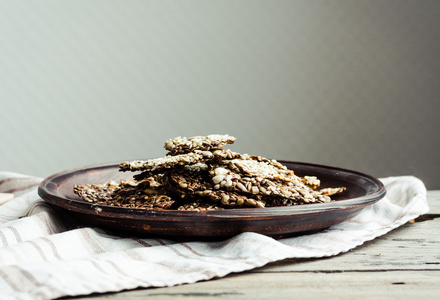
{"type": "Point", "coordinates": [198, 174]}
{"type": "Point", "coordinates": [182, 145]}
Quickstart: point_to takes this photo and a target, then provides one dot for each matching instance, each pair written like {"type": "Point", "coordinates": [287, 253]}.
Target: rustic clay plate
{"type": "Point", "coordinates": [362, 190]}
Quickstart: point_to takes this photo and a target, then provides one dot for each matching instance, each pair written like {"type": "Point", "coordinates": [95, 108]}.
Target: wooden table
{"type": "Point", "coordinates": [403, 264]}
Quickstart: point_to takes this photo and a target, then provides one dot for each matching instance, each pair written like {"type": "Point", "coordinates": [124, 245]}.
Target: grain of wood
{"type": "Point", "coordinates": [406, 248]}
{"type": "Point", "coordinates": [304, 285]}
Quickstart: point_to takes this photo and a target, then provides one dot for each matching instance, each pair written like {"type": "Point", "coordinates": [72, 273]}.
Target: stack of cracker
{"type": "Point", "coordinates": [197, 173]}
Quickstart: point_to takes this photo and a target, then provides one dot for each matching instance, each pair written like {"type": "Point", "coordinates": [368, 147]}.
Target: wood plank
{"type": "Point", "coordinates": [411, 247]}
{"type": "Point", "coordinates": [303, 285]}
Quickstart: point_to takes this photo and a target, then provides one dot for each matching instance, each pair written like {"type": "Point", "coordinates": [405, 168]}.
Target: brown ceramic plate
{"type": "Point", "coordinates": [362, 190]}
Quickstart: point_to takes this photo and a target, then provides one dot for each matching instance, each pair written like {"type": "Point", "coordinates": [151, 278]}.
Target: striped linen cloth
{"type": "Point", "coordinates": [40, 258]}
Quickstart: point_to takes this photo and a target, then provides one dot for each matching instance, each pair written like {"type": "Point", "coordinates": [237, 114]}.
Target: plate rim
{"type": "Point", "coordinates": [84, 207]}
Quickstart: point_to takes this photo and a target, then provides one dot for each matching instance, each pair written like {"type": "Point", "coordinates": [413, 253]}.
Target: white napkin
{"type": "Point", "coordinates": [41, 259]}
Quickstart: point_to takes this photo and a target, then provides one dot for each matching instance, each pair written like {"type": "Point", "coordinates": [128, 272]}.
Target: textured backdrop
{"type": "Point", "coordinates": [353, 84]}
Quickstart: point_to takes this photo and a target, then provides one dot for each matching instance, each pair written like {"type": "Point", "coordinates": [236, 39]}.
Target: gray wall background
{"type": "Point", "coordinates": [353, 84]}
